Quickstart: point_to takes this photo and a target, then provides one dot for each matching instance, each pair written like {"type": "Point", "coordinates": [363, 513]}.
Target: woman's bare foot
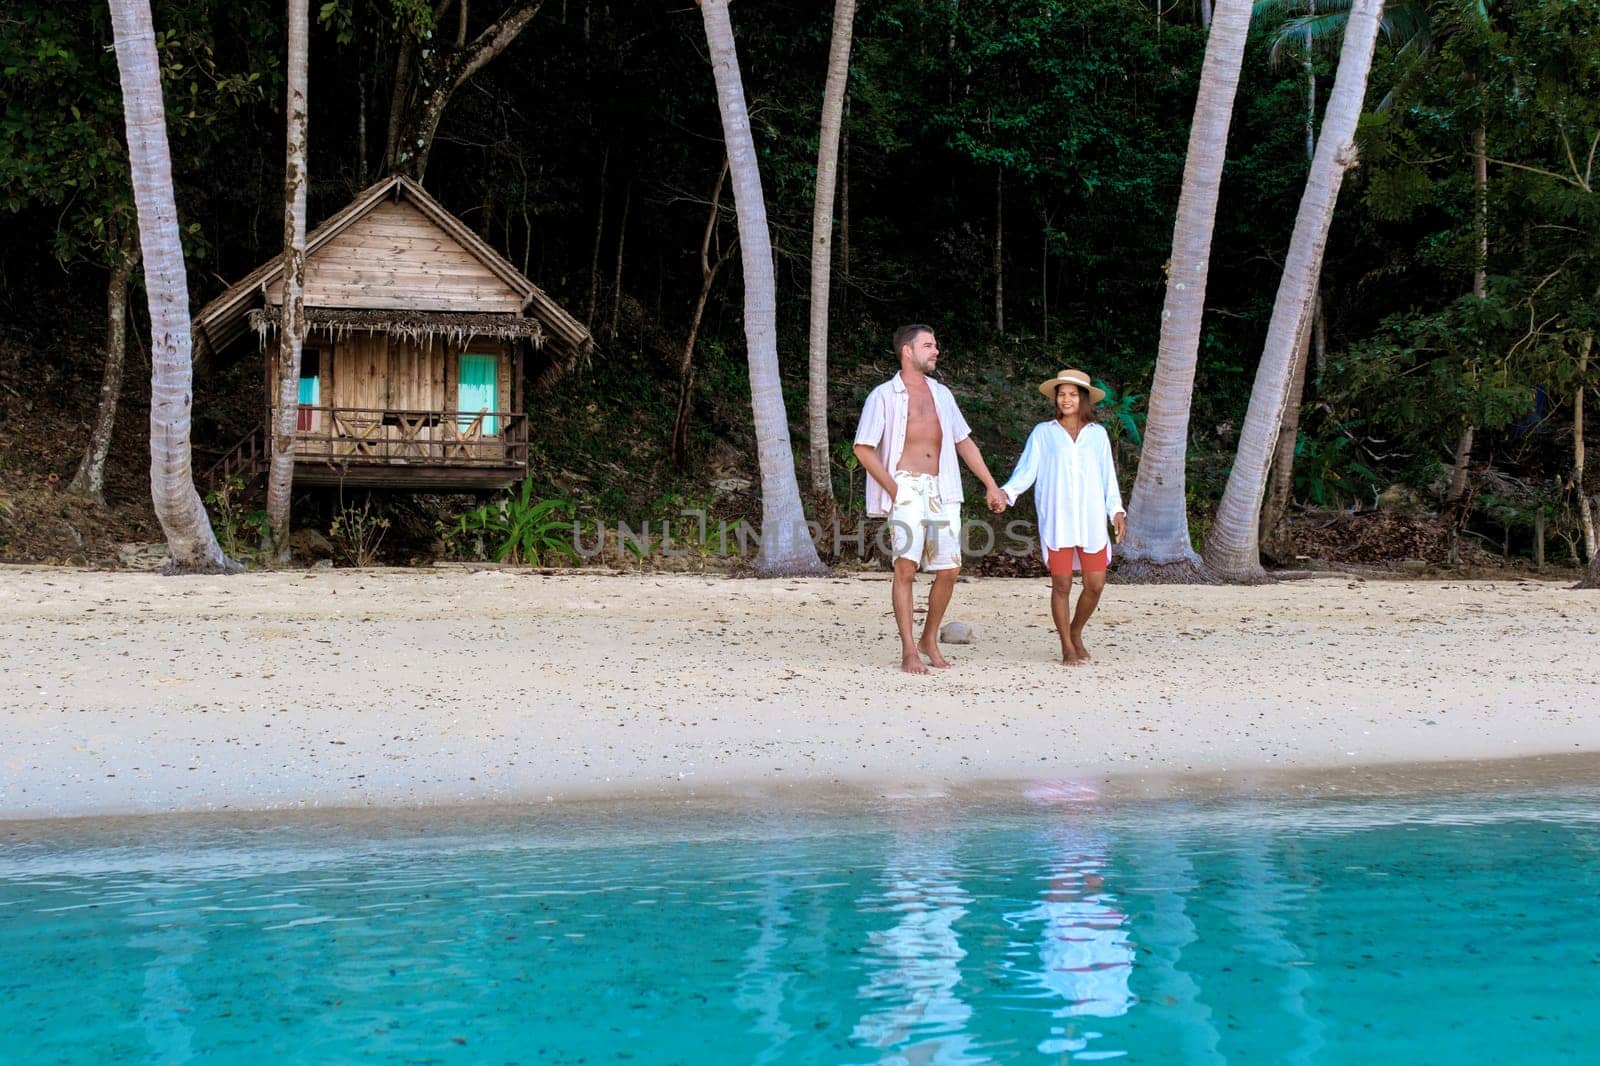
{"type": "Point", "coordinates": [930, 648]}
{"type": "Point", "coordinates": [1069, 655]}
{"type": "Point", "coordinates": [1077, 646]}
{"type": "Point", "coordinates": [911, 663]}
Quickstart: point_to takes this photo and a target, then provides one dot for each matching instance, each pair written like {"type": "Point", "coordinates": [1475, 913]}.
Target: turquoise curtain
{"type": "Point", "coordinates": [477, 388]}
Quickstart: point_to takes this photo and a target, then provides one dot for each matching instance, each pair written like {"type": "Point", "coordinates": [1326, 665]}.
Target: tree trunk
{"type": "Point", "coordinates": [1591, 540]}
{"type": "Point", "coordinates": [999, 261]}
{"type": "Point", "coordinates": [1280, 490]}
{"type": "Point", "coordinates": [833, 93]}
{"type": "Point", "coordinates": [1462, 464]}
{"type": "Point", "coordinates": [709, 268]}
{"type": "Point", "coordinates": [844, 209]}
{"type": "Point", "coordinates": [424, 84]}
{"type": "Point", "coordinates": [1232, 550]}
{"type": "Point", "coordinates": [292, 323]}
{"type": "Point", "coordinates": [191, 542]}
{"type": "Point", "coordinates": [786, 546]}
{"type": "Point", "coordinates": [599, 232]}
{"type": "Point", "coordinates": [616, 279]}
{"type": "Point", "coordinates": [90, 480]}
{"type": "Point", "coordinates": [1205, 14]}
{"type": "Point", "coordinates": [1157, 545]}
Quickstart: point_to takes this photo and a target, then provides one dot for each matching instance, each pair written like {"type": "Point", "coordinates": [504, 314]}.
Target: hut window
{"type": "Point", "coordinates": [477, 389]}
{"type": "Point", "coordinates": [310, 387]}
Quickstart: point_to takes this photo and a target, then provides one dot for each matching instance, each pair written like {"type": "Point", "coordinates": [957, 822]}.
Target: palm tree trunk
{"type": "Point", "coordinates": [1232, 551]}
{"type": "Point", "coordinates": [1280, 489]}
{"type": "Point", "coordinates": [1157, 545]}
{"type": "Point", "coordinates": [833, 93]}
{"type": "Point", "coordinates": [786, 546]}
{"type": "Point", "coordinates": [844, 209]}
{"type": "Point", "coordinates": [190, 541]}
{"type": "Point", "coordinates": [292, 324]}
{"type": "Point", "coordinates": [90, 480]}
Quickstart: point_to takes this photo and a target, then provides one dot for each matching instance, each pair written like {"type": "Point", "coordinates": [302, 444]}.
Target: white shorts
{"type": "Point", "coordinates": [923, 528]}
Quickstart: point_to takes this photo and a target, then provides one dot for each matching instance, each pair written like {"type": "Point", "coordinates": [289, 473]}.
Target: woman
{"type": "Point", "coordinates": [1067, 461]}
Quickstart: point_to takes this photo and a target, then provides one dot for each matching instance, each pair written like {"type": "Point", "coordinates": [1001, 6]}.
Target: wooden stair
{"type": "Point", "coordinates": [247, 460]}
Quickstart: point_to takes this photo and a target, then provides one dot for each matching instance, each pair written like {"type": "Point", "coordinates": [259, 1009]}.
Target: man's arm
{"type": "Point", "coordinates": [867, 456]}
{"type": "Point", "coordinates": [967, 449]}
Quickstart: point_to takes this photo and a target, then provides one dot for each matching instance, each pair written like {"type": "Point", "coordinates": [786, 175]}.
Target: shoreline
{"type": "Point", "coordinates": [1114, 792]}
{"type": "Point", "coordinates": [131, 694]}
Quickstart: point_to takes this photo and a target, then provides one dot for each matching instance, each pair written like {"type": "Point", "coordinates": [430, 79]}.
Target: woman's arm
{"type": "Point", "coordinates": [1027, 470]}
{"type": "Point", "coordinates": [1113, 491]}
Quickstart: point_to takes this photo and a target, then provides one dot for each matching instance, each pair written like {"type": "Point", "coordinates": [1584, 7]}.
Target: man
{"type": "Point", "coordinates": [910, 435]}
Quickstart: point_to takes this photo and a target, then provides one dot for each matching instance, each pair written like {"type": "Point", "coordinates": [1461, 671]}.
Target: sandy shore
{"type": "Point", "coordinates": [133, 693]}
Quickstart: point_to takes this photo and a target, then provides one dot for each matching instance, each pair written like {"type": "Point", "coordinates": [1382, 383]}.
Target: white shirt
{"type": "Point", "coordinates": [1074, 483]}
{"type": "Point", "coordinates": [883, 426]}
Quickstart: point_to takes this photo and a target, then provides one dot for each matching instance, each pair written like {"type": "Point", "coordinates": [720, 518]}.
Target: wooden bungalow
{"type": "Point", "coordinates": [423, 342]}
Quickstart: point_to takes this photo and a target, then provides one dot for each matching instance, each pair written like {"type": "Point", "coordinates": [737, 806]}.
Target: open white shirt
{"type": "Point", "coordinates": [883, 426]}
{"type": "Point", "coordinates": [1074, 485]}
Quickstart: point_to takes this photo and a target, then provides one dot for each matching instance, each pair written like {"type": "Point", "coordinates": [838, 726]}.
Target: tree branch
{"type": "Point", "coordinates": [496, 38]}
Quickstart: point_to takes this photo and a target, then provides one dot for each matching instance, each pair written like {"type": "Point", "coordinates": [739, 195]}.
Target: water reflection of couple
{"type": "Point", "coordinates": [1076, 926]}
{"type": "Point", "coordinates": [909, 440]}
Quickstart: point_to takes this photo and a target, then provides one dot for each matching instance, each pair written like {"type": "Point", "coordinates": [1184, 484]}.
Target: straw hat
{"type": "Point", "coordinates": [1071, 377]}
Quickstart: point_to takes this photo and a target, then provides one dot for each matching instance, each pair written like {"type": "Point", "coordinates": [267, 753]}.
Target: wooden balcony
{"type": "Point", "coordinates": [368, 447]}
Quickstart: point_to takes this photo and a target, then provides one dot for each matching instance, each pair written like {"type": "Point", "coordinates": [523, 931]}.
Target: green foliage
{"type": "Point", "coordinates": [1327, 472]}
{"type": "Point", "coordinates": [232, 518]}
{"type": "Point", "coordinates": [519, 528]}
{"type": "Point", "coordinates": [1119, 412]}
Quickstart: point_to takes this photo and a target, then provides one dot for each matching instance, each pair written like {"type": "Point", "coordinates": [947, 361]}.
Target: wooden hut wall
{"type": "Point", "coordinates": [395, 258]}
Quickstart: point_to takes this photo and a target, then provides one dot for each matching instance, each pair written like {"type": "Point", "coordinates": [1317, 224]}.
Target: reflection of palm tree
{"type": "Point", "coordinates": [1265, 899]}
{"type": "Point", "coordinates": [761, 982]}
{"type": "Point", "coordinates": [918, 958]}
{"type": "Point", "coordinates": [1165, 877]}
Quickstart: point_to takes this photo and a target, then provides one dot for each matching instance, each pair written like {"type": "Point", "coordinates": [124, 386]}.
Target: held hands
{"type": "Point", "coordinates": [997, 500]}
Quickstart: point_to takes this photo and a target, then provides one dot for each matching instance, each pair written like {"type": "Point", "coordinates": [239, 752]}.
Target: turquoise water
{"type": "Point", "coordinates": [1448, 930]}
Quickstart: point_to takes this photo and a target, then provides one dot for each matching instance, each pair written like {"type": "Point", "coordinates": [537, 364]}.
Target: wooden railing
{"type": "Point", "coordinates": [247, 459]}
{"type": "Point", "coordinates": [389, 436]}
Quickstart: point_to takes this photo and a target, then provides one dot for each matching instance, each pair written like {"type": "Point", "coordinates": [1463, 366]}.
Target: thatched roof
{"type": "Point", "coordinates": [246, 304]}
{"type": "Point", "coordinates": [456, 327]}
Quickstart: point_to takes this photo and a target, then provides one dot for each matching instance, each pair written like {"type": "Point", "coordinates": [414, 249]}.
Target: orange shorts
{"type": "Point", "coordinates": [1060, 561]}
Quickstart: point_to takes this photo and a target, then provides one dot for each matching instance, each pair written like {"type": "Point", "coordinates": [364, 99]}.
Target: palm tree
{"type": "Point", "coordinates": [292, 326]}
{"type": "Point", "coordinates": [192, 544]}
{"type": "Point", "coordinates": [822, 249]}
{"type": "Point", "coordinates": [1232, 551]}
{"type": "Point", "coordinates": [1157, 542]}
{"type": "Point", "coordinates": [786, 546]}
{"type": "Point", "coordinates": [1410, 24]}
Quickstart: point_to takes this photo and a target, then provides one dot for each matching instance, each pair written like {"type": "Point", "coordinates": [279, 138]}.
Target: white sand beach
{"type": "Point", "coordinates": [134, 693]}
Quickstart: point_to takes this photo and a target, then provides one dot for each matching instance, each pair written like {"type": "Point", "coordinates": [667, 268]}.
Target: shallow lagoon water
{"type": "Point", "coordinates": [1053, 929]}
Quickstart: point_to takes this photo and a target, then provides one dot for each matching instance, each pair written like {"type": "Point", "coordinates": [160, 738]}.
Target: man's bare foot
{"type": "Point", "coordinates": [1077, 646]}
{"type": "Point", "coordinates": [931, 650]}
{"type": "Point", "coordinates": [912, 664]}
{"type": "Point", "coordinates": [1069, 657]}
